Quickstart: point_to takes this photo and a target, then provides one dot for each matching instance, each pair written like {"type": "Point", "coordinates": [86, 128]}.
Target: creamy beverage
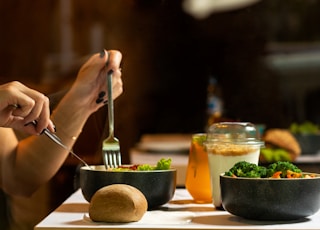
{"type": "Point", "coordinates": [221, 161]}
{"type": "Point", "coordinates": [227, 144]}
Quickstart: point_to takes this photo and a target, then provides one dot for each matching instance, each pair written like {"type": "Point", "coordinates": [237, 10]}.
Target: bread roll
{"type": "Point", "coordinates": [119, 203]}
{"type": "Point", "coordinates": [282, 138]}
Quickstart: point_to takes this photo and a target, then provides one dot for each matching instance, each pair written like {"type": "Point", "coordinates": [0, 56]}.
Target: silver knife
{"type": "Point", "coordinates": [58, 141]}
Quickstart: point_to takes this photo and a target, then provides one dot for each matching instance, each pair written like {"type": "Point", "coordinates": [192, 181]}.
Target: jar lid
{"type": "Point", "coordinates": [234, 132]}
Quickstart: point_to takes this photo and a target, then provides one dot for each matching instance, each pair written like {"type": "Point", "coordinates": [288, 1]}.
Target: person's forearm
{"type": "Point", "coordinates": [38, 158]}
{"type": "Point", "coordinates": [34, 160]}
{"type": "Point", "coordinates": [69, 121]}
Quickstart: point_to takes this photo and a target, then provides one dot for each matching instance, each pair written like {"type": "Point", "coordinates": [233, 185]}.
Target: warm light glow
{"type": "Point", "coordinates": [203, 8]}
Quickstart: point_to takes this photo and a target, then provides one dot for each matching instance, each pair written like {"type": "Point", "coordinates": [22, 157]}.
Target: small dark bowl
{"type": "Point", "coordinates": [309, 143]}
{"type": "Point", "coordinates": [270, 199]}
{"type": "Point", "coordinates": [158, 186]}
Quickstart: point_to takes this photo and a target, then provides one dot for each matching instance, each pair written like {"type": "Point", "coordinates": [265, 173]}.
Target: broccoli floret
{"type": "Point", "coordinates": [246, 169]}
{"type": "Point", "coordinates": [163, 164]}
{"type": "Point", "coordinates": [282, 166]}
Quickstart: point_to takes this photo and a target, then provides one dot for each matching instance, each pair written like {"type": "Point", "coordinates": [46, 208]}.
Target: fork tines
{"type": "Point", "coordinates": [112, 159]}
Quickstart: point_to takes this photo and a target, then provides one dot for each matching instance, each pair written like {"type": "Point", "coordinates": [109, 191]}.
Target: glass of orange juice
{"type": "Point", "coordinates": [198, 174]}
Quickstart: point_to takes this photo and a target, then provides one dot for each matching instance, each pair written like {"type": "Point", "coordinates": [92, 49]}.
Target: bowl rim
{"type": "Point", "coordinates": [317, 176]}
{"type": "Point", "coordinates": [101, 168]}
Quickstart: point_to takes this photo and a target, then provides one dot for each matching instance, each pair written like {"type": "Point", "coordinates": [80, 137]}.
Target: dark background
{"type": "Point", "coordinates": [168, 56]}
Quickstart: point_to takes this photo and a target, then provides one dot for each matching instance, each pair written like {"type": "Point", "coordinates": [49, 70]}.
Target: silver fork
{"type": "Point", "coordinates": [110, 146]}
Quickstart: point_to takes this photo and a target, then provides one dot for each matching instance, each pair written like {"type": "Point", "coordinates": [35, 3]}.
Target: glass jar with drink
{"type": "Point", "coordinates": [198, 175]}
{"type": "Point", "coordinates": [228, 143]}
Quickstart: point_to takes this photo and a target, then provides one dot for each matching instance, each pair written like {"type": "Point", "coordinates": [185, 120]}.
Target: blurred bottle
{"type": "Point", "coordinates": [214, 102]}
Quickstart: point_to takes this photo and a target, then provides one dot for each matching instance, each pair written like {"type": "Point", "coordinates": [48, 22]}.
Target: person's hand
{"type": "Point", "coordinates": [20, 105]}
{"type": "Point", "coordinates": [90, 87]}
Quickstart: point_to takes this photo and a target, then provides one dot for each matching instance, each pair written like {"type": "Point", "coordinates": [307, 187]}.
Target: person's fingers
{"type": "Point", "coordinates": [23, 106]}
{"type": "Point", "coordinates": [93, 66]}
{"type": "Point", "coordinates": [114, 60]}
{"type": "Point", "coordinates": [44, 113]}
{"type": "Point", "coordinates": [52, 127]}
{"type": "Point", "coordinates": [40, 103]}
{"type": "Point", "coordinates": [31, 129]}
{"type": "Point", "coordinates": [13, 96]}
{"type": "Point", "coordinates": [6, 117]}
{"type": "Point", "coordinates": [117, 87]}
{"type": "Point", "coordinates": [97, 63]}
{"type": "Point", "coordinates": [32, 105]}
{"type": "Point", "coordinates": [91, 83]}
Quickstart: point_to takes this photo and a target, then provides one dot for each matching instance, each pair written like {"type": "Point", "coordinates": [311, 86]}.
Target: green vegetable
{"type": "Point", "coordinates": [246, 169]}
{"type": "Point", "coordinates": [145, 167]}
{"type": "Point", "coordinates": [282, 166]}
{"type": "Point", "coordinates": [200, 139]}
{"type": "Point", "coordinates": [162, 164]}
{"type": "Point", "coordinates": [274, 155]}
{"type": "Point", "coordinates": [305, 128]}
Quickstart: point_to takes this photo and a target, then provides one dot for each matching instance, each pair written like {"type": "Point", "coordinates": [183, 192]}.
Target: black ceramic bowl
{"type": "Point", "coordinates": [309, 143]}
{"type": "Point", "coordinates": [270, 199]}
{"type": "Point", "coordinates": [158, 186]}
